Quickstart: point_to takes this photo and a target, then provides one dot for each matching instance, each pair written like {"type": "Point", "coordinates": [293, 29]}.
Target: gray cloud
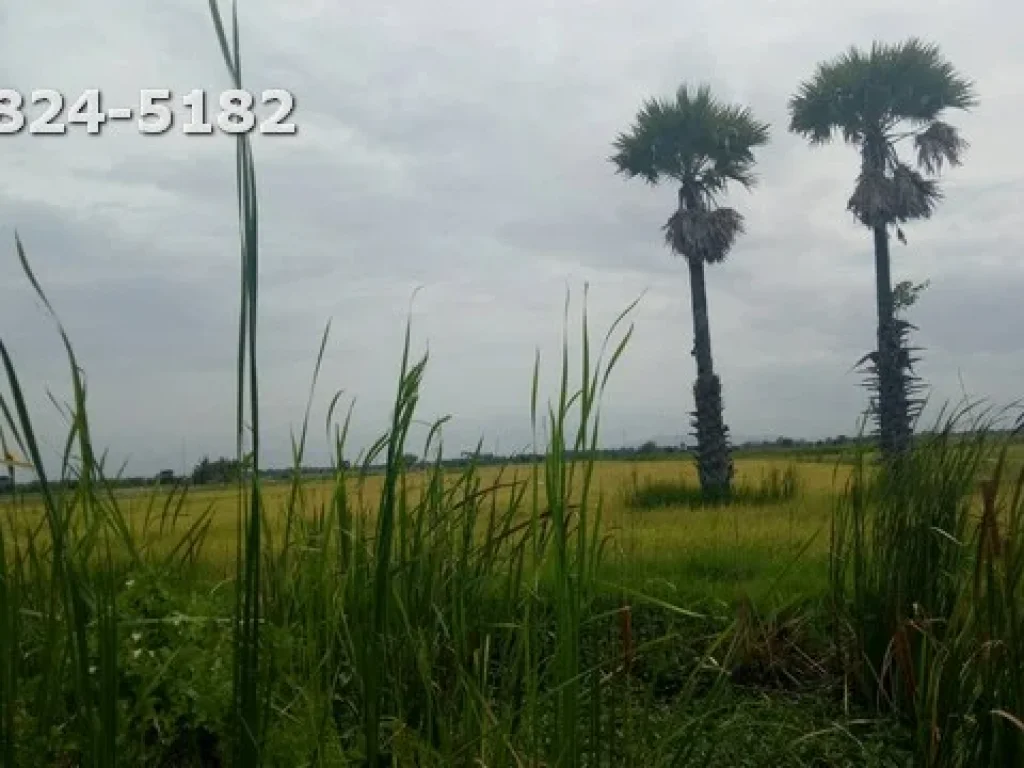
{"type": "Point", "coordinates": [462, 148]}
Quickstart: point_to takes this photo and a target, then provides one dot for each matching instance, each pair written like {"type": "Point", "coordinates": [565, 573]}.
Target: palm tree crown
{"type": "Point", "coordinates": [875, 100]}
{"type": "Point", "coordinates": [703, 145]}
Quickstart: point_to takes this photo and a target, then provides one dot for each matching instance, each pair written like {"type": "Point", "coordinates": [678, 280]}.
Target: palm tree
{"type": "Point", "coordinates": [876, 100]}
{"type": "Point", "coordinates": [702, 145]}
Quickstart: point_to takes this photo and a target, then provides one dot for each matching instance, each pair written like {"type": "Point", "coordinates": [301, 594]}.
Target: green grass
{"type": "Point", "coordinates": [926, 586]}
{"type": "Point", "coordinates": [774, 487]}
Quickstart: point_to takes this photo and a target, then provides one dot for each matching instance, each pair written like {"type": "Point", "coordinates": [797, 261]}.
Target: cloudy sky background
{"type": "Point", "coordinates": [461, 147]}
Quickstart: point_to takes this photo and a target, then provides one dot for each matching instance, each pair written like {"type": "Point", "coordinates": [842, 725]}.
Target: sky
{"type": "Point", "coordinates": [461, 148]}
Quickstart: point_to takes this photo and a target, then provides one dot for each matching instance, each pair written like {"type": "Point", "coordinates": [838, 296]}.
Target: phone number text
{"type": "Point", "coordinates": [232, 111]}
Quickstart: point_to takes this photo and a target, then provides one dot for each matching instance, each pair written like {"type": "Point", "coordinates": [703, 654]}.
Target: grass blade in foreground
{"type": "Point", "coordinates": [247, 685]}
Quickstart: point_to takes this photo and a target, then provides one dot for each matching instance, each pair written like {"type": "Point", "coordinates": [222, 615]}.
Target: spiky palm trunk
{"type": "Point", "coordinates": [714, 459]}
{"type": "Point", "coordinates": [893, 402]}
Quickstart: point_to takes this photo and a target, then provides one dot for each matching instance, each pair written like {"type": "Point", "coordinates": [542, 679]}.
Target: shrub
{"type": "Point", "coordinates": [774, 487]}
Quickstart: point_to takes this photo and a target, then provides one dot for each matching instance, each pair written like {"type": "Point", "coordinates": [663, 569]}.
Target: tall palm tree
{"type": "Point", "coordinates": [877, 100]}
{"type": "Point", "coordinates": [702, 145]}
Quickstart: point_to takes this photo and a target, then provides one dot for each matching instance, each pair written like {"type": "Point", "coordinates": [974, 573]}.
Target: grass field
{"type": "Point", "coordinates": [775, 549]}
{"type": "Point", "coordinates": [714, 551]}
{"type": "Point", "coordinates": [674, 610]}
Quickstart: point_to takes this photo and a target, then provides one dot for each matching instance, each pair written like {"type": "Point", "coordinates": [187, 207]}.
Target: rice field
{"type": "Point", "coordinates": [678, 609]}
{"type": "Point", "coordinates": [674, 550]}
{"type": "Point", "coordinates": [775, 548]}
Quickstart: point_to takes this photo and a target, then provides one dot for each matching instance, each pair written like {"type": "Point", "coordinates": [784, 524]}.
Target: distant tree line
{"type": "Point", "coordinates": [224, 470]}
{"type": "Point", "coordinates": [217, 472]}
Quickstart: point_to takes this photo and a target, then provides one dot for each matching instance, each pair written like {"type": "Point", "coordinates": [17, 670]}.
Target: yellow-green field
{"type": "Point", "coordinates": [674, 550]}
{"type": "Point", "coordinates": [757, 550]}
{"type": "Point", "coordinates": [706, 560]}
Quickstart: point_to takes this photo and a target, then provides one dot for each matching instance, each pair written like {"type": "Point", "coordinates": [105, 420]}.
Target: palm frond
{"type": "Point", "coordinates": [920, 81]}
{"type": "Point", "coordinates": [939, 143]}
{"type": "Point", "coordinates": [905, 294]}
{"type": "Point", "coordinates": [859, 92]}
{"type": "Point", "coordinates": [914, 196]}
{"type": "Point", "coordinates": [707, 235]}
{"type": "Point", "coordinates": [880, 199]}
{"type": "Point", "coordinates": [636, 155]}
{"type": "Point", "coordinates": [694, 139]}
{"type": "Point", "coordinates": [829, 101]}
{"type": "Point", "coordinates": [871, 199]}
{"type": "Point", "coordinates": [911, 387]}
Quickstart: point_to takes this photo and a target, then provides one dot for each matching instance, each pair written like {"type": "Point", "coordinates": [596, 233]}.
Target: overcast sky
{"type": "Point", "coordinates": [462, 147]}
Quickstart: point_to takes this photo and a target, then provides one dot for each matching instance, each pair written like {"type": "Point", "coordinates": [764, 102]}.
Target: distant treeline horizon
{"type": "Point", "coordinates": [223, 470]}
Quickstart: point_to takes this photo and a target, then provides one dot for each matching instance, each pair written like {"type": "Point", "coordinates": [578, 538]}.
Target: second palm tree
{"type": "Point", "coordinates": [702, 145]}
{"type": "Point", "coordinates": [875, 100]}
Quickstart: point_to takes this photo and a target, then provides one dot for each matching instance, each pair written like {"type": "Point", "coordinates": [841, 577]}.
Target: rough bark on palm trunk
{"type": "Point", "coordinates": [714, 460]}
{"type": "Point", "coordinates": [893, 401]}
{"type": "Point", "coordinates": [714, 456]}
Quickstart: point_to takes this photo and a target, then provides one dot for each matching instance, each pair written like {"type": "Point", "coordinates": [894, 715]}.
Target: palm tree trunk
{"type": "Point", "coordinates": [714, 459]}
{"type": "Point", "coordinates": [701, 326]}
{"type": "Point", "coordinates": [893, 399]}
